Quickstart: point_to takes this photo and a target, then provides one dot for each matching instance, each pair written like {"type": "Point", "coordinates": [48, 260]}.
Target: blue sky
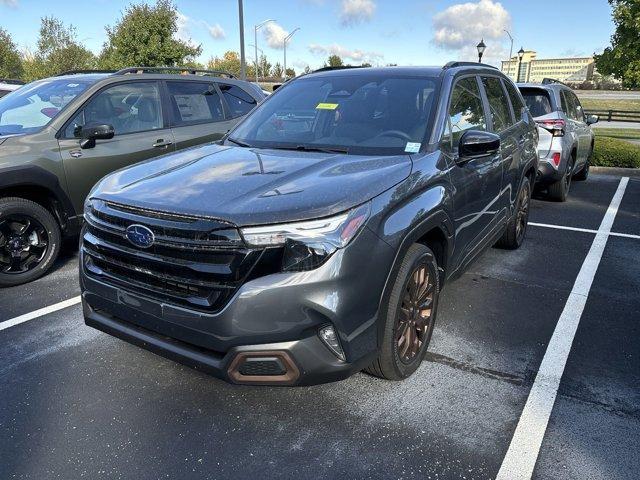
{"type": "Point", "coordinates": [406, 32]}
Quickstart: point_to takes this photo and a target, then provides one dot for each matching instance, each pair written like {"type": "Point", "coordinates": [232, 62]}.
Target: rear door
{"type": "Point", "coordinates": [134, 109]}
{"type": "Point", "coordinates": [583, 131]}
{"type": "Point", "coordinates": [197, 112]}
{"type": "Point", "coordinates": [477, 181]}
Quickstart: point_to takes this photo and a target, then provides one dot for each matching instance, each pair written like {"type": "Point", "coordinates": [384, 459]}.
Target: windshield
{"type": "Point", "coordinates": [33, 106]}
{"type": "Point", "coordinates": [353, 114]}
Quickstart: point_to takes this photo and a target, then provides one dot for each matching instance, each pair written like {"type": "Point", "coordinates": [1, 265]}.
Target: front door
{"type": "Point", "coordinates": [477, 182]}
{"type": "Point", "coordinates": [134, 109]}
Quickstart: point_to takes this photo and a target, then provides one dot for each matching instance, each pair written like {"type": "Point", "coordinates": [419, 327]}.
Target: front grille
{"type": "Point", "coordinates": [193, 262]}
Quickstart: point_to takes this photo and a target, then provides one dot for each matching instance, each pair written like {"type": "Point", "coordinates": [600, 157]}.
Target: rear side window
{"type": "Point", "coordinates": [465, 110]}
{"type": "Point", "coordinates": [240, 102]}
{"type": "Point", "coordinates": [195, 102]}
{"type": "Point", "coordinates": [516, 100]}
{"type": "Point", "coordinates": [498, 104]}
{"type": "Point", "coordinates": [537, 101]}
{"type": "Point", "coordinates": [571, 105]}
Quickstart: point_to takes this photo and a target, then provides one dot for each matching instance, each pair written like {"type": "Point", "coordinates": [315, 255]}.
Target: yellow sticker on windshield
{"type": "Point", "coordinates": [327, 106]}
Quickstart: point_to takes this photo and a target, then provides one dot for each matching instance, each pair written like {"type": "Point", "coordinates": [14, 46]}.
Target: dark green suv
{"type": "Point", "coordinates": [60, 135]}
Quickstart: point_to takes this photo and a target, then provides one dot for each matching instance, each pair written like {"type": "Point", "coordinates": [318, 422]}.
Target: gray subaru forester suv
{"type": "Point", "coordinates": [566, 140]}
{"type": "Point", "coordinates": [60, 135]}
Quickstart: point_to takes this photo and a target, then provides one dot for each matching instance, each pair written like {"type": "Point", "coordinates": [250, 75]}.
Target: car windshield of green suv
{"type": "Point", "coordinates": [33, 106]}
{"type": "Point", "coordinates": [357, 114]}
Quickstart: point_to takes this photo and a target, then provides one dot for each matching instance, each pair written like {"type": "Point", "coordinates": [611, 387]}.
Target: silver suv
{"type": "Point", "coordinates": [566, 140]}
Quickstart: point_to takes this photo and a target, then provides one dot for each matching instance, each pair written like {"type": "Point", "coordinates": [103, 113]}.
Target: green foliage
{"type": "Point", "coordinates": [145, 36]}
{"type": "Point", "coordinates": [334, 61]}
{"type": "Point", "coordinates": [57, 51]}
{"type": "Point", "coordinates": [10, 61]}
{"type": "Point", "coordinates": [622, 58]}
{"type": "Point", "coordinates": [291, 73]}
{"type": "Point", "coordinates": [277, 70]}
{"type": "Point", "coordinates": [611, 152]}
{"type": "Point", "coordinates": [230, 62]}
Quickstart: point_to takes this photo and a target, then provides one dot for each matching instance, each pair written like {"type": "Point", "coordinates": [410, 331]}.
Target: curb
{"type": "Point", "coordinates": [624, 172]}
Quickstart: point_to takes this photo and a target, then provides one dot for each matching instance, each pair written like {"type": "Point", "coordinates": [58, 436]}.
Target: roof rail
{"type": "Point", "coordinates": [467, 64]}
{"type": "Point", "coordinates": [75, 72]}
{"type": "Point", "coordinates": [342, 67]}
{"type": "Point", "coordinates": [549, 81]}
{"type": "Point", "coordinates": [182, 70]}
{"type": "Point", "coordinates": [11, 81]}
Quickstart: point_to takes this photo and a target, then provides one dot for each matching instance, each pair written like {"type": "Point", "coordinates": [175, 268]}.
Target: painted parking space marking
{"type": "Point", "coordinates": [39, 313]}
{"type": "Point", "coordinates": [584, 230]}
{"type": "Point", "coordinates": [524, 448]}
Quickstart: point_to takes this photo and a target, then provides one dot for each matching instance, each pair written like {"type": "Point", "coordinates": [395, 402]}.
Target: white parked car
{"type": "Point", "coordinates": [8, 86]}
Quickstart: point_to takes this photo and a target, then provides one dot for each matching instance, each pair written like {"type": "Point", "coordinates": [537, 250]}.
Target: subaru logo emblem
{"type": "Point", "coordinates": [140, 236]}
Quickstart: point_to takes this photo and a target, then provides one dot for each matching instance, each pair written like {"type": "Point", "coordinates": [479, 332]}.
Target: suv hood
{"type": "Point", "coordinates": [252, 186]}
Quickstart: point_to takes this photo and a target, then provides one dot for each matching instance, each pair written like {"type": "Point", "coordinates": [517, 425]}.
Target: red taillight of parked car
{"type": "Point", "coordinates": [556, 159]}
{"type": "Point", "coordinates": [556, 127]}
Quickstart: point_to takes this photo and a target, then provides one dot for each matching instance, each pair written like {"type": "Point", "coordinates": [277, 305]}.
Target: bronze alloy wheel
{"type": "Point", "coordinates": [414, 314]}
{"type": "Point", "coordinates": [522, 215]}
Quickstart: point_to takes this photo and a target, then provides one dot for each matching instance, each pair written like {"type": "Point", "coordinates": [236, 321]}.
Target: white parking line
{"type": "Point", "coordinates": [522, 454]}
{"type": "Point", "coordinates": [38, 313]}
{"type": "Point", "coordinates": [584, 230]}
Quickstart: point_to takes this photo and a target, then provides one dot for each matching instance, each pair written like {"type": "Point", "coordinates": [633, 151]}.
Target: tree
{"type": "Point", "coordinates": [229, 62]}
{"type": "Point", "coordinates": [334, 61]}
{"type": "Point", "coordinates": [291, 73]}
{"type": "Point", "coordinates": [622, 58]}
{"type": "Point", "coordinates": [57, 51]}
{"type": "Point", "coordinates": [307, 69]}
{"type": "Point", "coordinates": [10, 61]}
{"type": "Point", "coordinates": [265, 66]}
{"type": "Point", "coordinates": [145, 36]}
{"type": "Point", "coordinates": [277, 71]}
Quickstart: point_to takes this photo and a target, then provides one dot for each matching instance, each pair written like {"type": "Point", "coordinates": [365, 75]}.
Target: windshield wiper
{"type": "Point", "coordinates": [313, 148]}
{"type": "Point", "coordinates": [238, 142]}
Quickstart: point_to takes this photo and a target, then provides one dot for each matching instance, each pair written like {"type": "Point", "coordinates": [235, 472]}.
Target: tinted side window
{"type": "Point", "coordinates": [515, 98]}
{"type": "Point", "coordinates": [194, 102]}
{"type": "Point", "coordinates": [537, 100]}
{"type": "Point", "coordinates": [240, 102]}
{"type": "Point", "coordinates": [577, 107]}
{"type": "Point", "coordinates": [498, 104]}
{"type": "Point", "coordinates": [565, 104]}
{"type": "Point", "coordinates": [129, 107]}
{"type": "Point", "coordinates": [465, 110]}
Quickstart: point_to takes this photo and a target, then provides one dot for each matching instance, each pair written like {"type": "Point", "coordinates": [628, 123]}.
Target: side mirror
{"type": "Point", "coordinates": [91, 133]}
{"type": "Point", "coordinates": [591, 119]}
{"type": "Point", "coordinates": [476, 144]}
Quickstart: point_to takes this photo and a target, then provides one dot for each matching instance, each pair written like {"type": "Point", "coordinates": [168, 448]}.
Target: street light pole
{"type": "Point", "coordinates": [255, 41]}
{"type": "Point", "coordinates": [510, 48]}
{"type": "Point", "coordinates": [520, 55]}
{"type": "Point", "coordinates": [481, 47]}
{"type": "Point", "coordinates": [243, 67]}
{"type": "Point", "coordinates": [286, 39]}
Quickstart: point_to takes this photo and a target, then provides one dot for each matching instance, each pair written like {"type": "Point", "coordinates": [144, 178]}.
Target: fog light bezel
{"type": "Point", "coordinates": [335, 347]}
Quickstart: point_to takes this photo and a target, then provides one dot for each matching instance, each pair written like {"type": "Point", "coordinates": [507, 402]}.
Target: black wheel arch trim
{"type": "Point", "coordinates": [437, 219]}
{"type": "Point", "coordinates": [35, 176]}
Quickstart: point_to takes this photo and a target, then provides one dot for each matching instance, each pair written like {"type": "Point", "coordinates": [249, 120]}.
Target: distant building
{"type": "Point", "coordinates": [532, 69]}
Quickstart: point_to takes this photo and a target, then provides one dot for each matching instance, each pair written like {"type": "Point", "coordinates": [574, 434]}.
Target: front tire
{"type": "Point", "coordinates": [29, 241]}
{"type": "Point", "coordinates": [559, 190]}
{"type": "Point", "coordinates": [409, 315]}
{"type": "Point", "coordinates": [583, 174]}
{"type": "Point", "coordinates": [517, 226]}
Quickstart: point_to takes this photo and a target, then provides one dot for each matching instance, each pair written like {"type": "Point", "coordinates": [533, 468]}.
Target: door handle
{"type": "Point", "coordinates": [160, 143]}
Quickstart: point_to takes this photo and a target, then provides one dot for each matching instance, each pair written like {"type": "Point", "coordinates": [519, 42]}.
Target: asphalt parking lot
{"type": "Point", "coordinates": [76, 403]}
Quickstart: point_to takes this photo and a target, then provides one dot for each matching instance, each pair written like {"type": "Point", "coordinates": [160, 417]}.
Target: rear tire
{"type": "Point", "coordinates": [559, 190]}
{"type": "Point", "coordinates": [29, 241]}
{"type": "Point", "coordinates": [517, 226]}
{"type": "Point", "coordinates": [409, 316]}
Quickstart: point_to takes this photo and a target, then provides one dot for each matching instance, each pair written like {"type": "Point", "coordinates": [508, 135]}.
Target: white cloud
{"type": "Point", "coordinates": [274, 35]}
{"type": "Point", "coordinates": [182, 22]}
{"type": "Point", "coordinates": [9, 3]}
{"type": "Point", "coordinates": [465, 24]}
{"type": "Point", "coordinates": [345, 53]}
{"type": "Point", "coordinates": [216, 31]}
{"type": "Point", "coordinates": [356, 11]}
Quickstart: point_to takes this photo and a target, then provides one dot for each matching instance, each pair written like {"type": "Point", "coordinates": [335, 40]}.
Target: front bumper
{"type": "Point", "coordinates": [276, 316]}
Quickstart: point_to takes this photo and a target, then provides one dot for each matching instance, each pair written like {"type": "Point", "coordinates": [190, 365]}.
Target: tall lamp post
{"type": "Point", "coordinates": [286, 39]}
{"type": "Point", "coordinates": [243, 71]}
{"type": "Point", "coordinates": [255, 41]}
{"type": "Point", "coordinates": [481, 48]}
{"type": "Point", "coordinates": [510, 48]}
{"type": "Point", "coordinates": [257, 62]}
{"type": "Point", "coordinates": [520, 55]}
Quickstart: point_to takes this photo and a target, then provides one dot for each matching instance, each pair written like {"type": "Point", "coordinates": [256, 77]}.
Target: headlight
{"type": "Point", "coordinates": [309, 244]}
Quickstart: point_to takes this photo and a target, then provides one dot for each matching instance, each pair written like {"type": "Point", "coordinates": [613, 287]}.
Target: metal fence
{"type": "Point", "coordinates": [616, 115]}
